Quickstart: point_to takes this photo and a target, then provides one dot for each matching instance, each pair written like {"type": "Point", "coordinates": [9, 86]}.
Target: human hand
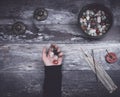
{"type": "Point", "coordinates": [51, 58]}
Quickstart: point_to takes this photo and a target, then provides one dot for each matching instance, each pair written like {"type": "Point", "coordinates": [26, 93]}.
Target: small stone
{"type": "Point", "coordinates": [88, 12]}
{"type": "Point", "coordinates": [99, 19]}
{"type": "Point", "coordinates": [56, 57]}
{"type": "Point", "coordinates": [88, 17]}
{"type": "Point", "coordinates": [51, 54]}
{"type": "Point", "coordinates": [100, 33]}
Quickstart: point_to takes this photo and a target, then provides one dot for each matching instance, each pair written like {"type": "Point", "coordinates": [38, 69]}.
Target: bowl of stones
{"type": "Point", "coordinates": [95, 20]}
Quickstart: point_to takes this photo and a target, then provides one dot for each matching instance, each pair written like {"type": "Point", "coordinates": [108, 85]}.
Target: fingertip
{"type": "Point", "coordinates": [61, 54]}
{"type": "Point", "coordinates": [58, 50]}
{"type": "Point", "coordinates": [55, 45]}
{"type": "Point", "coordinates": [60, 57]}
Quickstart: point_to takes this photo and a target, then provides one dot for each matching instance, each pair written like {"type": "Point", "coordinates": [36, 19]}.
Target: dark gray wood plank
{"type": "Point", "coordinates": [21, 84]}
{"type": "Point", "coordinates": [66, 10]}
{"type": "Point", "coordinates": [84, 84]}
{"type": "Point", "coordinates": [28, 57]}
{"type": "Point", "coordinates": [61, 24]}
{"type": "Point", "coordinates": [74, 84]}
{"type": "Point", "coordinates": [56, 33]}
{"type": "Point", "coordinates": [18, 8]}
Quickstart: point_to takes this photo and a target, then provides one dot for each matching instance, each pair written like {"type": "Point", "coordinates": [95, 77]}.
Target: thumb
{"type": "Point", "coordinates": [44, 55]}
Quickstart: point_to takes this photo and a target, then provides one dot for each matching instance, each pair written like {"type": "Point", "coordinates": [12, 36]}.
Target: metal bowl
{"type": "Point", "coordinates": [18, 28]}
{"type": "Point", "coordinates": [91, 21]}
{"type": "Point", "coordinates": [40, 14]}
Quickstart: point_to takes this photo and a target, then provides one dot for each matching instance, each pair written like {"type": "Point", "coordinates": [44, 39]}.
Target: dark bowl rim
{"type": "Point", "coordinates": [108, 11]}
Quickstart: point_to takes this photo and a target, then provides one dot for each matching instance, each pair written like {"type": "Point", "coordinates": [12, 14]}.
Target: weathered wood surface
{"type": "Point", "coordinates": [21, 67]}
{"type": "Point", "coordinates": [61, 24]}
{"type": "Point", "coordinates": [57, 33]}
{"type": "Point", "coordinates": [74, 84]}
{"type": "Point", "coordinates": [60, 11]}
{"type": "Point", "coordinates": [28, 56]}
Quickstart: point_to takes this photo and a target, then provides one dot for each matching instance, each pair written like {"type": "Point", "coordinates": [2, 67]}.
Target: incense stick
{"type": "Point", "coordinates": [101, 73]}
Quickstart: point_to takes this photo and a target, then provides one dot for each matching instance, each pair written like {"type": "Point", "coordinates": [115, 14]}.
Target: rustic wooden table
{"type": "Point", "coordinates": [21, 67]}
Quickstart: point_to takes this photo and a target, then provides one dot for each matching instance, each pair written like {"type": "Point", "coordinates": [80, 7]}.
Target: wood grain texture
{"type": "Point", "coordinates": [18, 57]}
{"type": "Point", "coordinates": [74, 84]}
{"type": "Point", "coordinates": [21, 67]}
{"type": "Point", "coordinates": [56, 33]}
{"type": "Point", "coordinates": [61, 24]}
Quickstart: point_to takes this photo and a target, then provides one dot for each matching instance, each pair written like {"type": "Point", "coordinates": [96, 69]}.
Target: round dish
{"type": "Point", "coordinates": [95, 20]}
{"type": "Point", "coordinates": [19, 28]}
{"type": "Point", "coordinates": [40, 14]}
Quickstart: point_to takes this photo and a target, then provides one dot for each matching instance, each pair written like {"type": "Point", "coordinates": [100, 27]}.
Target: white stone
{"type": "Point", "coordinates": [51, 54]}
{"type": "Point", "coordinates": [99, 19]}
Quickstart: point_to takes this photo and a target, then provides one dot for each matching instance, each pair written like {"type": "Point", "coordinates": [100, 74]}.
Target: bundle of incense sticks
{"type": "Point", "coordinates": [100, 72]}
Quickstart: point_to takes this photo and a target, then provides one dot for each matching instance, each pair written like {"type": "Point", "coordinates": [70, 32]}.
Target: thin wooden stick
{"type": "Point", "coordinates": [101, 73]}
{"type": "Point", "coordinates": [105, 76]}
{"type": "Point", "coordinates": [100, 76]}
